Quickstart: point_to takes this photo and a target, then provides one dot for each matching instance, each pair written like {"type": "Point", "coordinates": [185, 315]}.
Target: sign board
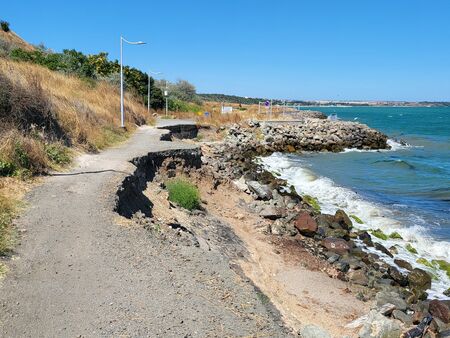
{"type": "Point", "coordinates": [227, 110]}
{"type": "Point", "coordinates": [166, 93]}
{"type": "Point", "coordinates": [267, 103]}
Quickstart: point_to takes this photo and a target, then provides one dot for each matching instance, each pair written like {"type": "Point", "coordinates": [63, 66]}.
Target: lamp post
{"type": "Point", "coordinates": [122, 117]}
{"type": "Point", "coordinates": [166, 94]}
{"type": "Point", "coordinates": [149, 92]}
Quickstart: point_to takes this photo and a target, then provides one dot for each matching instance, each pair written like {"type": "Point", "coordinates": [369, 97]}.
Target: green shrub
{"type": "Point", "coordinates": [57, 153]}
{"type": "Point", "coordinates": [184, 193]}
{"type": "Point", "coordinates": [5, 26]}
{"type": "Point", "coordinates": [7, 168]}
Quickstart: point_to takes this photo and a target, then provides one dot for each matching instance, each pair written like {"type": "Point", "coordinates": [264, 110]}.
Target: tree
{"type": "Point", "coordinates": [185, 91]}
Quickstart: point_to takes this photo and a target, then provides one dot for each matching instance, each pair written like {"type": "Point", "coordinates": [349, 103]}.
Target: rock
{"type": "Point", "coordinates": [397, 276]}
{"type": "Point", "coordinates": [305, 224]}
{"type": "Point", "coordinates": [366, 238]}
{"type": "Point", "coordinates": [387, 309]}
{"type": "Point", "coordinates": [447, 292]}
{"type": "Point", "coordinates": [270, 212]}
{"type": "Point", "coordinates": [313, 331]}
{"type": "Point", "coordinates": [385, 297]}
{"type": "Point", "coordinates": [403, 317]}
{"type": "Point", "coordinates": [342, 218]}
{"type": "Point", "coordinates": [378, 326]}
{"type": "Point", "coordinates": [419, 280]}
{"type": "Point", "coordinates": [333, 258]}
{"type": "Point", "coordinates": [240, 184]}
{"type": "Point", "coordinates": [261, 191]}
{"type": "Point", "coordinates": [440, 310]}
{"type": "Point", "coordinates": [278, 227]}
{"type": "Point", "coordinates": [358, 277]}
{"type": "Point", "coordinates": [336, 245]}
{"type": "Point", "coordinates": [403, 264]}
{"type": "Point", "coordinates": [341, 266]}
{"type": "Point", "coordinates": [381, 248]}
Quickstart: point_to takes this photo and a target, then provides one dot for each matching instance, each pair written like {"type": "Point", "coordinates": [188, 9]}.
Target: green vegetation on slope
{"type": "Point", "coordinates": [184, 193]}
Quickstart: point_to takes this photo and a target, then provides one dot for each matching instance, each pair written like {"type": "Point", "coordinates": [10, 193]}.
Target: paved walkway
{"type": "Point", "coordinates": [79, 273]}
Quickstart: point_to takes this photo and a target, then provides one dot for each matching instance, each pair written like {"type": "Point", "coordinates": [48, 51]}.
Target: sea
{"type": "Point", "coordinates": [405, 189]}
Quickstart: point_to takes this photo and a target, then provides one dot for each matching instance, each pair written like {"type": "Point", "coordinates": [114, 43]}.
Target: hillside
{"type": "Point", "coordinates": [44, 116]}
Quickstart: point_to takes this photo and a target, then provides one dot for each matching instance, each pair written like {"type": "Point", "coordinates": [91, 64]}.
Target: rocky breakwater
{"type": "Point", "coordinates": [310, 134]}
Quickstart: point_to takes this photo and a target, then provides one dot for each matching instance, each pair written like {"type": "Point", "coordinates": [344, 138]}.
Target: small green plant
{"type": "Point", "coordinates": [411, 249]}
{"type": "Point", "coordinates": [5, 26]}
{"type": "Point", "coordinates": [311, 201]}
{"type": "Point", "coordinates": [184, 193]}
{"type": "Point", "coordinates": [379, 234]}
{"type": "Point", "coordinates": [357, 219]}
{"type": "Point", "coordinates": [57, 153]}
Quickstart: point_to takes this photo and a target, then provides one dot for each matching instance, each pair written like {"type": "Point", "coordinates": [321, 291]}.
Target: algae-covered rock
{"type": "Point", "coordinates": [379, 234]}
{"type": "Point", "coordinates": [395, 235]}
{"type": "Point", "coordinates": [311, 201]}
{"type": "Point", "coordinates": [357, 219]}
{"type": "Point", "coordinates": [443, 265]}
{"type": "Point", "coordinates": [411, 249]}
{"type": "Point", "coordinates": [423, 261]}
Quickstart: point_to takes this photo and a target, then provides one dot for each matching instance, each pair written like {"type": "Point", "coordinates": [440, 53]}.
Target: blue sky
{"type": "Point", "coordinates": [349, 49]}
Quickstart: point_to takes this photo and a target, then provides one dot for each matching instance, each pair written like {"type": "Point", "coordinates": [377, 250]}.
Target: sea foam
{"type": "Point", "coordinates": [374, 215]}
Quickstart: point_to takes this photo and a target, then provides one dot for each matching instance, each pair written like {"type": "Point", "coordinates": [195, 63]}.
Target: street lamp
{"type": "Point", "coordinates": [149, 93]}
{"type": "Point", "coordinates": [166, 94]}
{"type": "Point", "coordinates": [122, 117]}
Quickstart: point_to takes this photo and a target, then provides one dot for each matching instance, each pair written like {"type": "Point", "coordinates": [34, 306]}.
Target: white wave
{"type": "Point", "coordinates": [375, 216]}
{"type": "Point", "coordinates": [394, 146]}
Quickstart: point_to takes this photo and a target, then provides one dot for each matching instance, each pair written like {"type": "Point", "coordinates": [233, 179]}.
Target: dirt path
{"type": "Point", "coordinates": [79, 273]}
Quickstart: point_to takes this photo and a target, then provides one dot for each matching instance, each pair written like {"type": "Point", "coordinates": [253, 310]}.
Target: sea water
{"type": "Point", "coordinates": [405, 189]}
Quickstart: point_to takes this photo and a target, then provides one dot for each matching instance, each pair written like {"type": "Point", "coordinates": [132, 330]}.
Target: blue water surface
{"type": "Point", "coordinates": [414, 180]}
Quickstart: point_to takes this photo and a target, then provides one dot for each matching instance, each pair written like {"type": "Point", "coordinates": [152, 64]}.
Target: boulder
{"type": "Point", "coordinates": [262, 191]}
{"type": "Point", "coordinates": [358, 277]}
{"type": "Point", "coordinates": [342, 219]}
{"type": "Point", "coordinates": [403, 264]}
{"type": "Point", "coordinates": [440, 310]}
{"type": "Point", "coordinates": [271, 212]}
{"type": "Point", "coordinates": [313, 331]}
{"type": "Point", "coordinates": [278, 228]}
{"type": "Point", "coordinates": [336, 245]}
{"type": "Point", "coordinates": [305, 224]}
{"type": "Point", "coordinates": [381, 248]}
{"type": "Point", "coordinates": [403, 317]}
{"type": "Point", "coordinates": [419, 280]}
{"type": "Point", "coordinates": [378, 326]}
{"type": "Point", "coordinates": [385, 297]}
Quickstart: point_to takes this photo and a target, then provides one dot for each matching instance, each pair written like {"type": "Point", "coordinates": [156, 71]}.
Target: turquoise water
{"type": "Point", "coordinates": [405, 189]}
{"type": "Point", "coordinates": [413, 179]}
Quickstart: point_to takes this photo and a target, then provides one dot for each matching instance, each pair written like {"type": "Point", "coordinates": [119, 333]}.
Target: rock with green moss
{"type": "Point", "coordinates": [419, 280]}
{"type": "Point", "coordinates": [357, 219]}
{"type": "Point", "coordinates": [411, 249]}
{"type": "Point", "coordinates": [311, 201]}
{"type": "Point", "coordinates": [379, 234]}
{"type": "Point", "coordinates": [443, 265]}
{"type": "Point", "coordinates": [447, 292]}
{"type": "Point", "coordinates": [395, 235]}
{"type": "Point", "coordinates": [423, 261]}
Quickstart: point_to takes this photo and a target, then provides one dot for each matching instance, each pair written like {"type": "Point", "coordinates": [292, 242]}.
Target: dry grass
{"type": "Point", "coordinates": [240, 114]}
{"type": "Point", "coordinates": [15, 40]}
{"type": "Point", "coordinates": [88, 112]}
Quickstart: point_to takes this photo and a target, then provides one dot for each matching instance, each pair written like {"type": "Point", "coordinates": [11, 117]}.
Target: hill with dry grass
{"type": "Point", "coordinates": [44, 116]}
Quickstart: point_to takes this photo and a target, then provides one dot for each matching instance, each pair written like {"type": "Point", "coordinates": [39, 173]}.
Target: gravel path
{"type": "Point", "coordinates": [80, 273]}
